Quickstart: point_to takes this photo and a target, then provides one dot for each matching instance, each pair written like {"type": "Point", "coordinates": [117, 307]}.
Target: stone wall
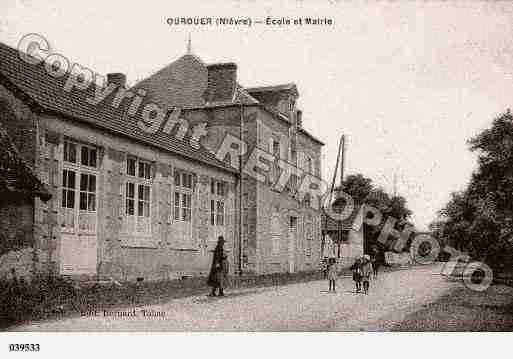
{"type": "Point", "coordinates": [17, 215]}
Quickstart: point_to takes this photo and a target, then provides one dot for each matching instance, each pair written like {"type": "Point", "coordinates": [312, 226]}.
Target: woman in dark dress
{"type": "Point", "coordinates": [217, 268]}
{"type": "Point", "coordinates": [376, 261]}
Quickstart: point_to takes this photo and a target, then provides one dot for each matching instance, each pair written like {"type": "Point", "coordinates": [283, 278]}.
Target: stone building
{"type": "Point", "coordinates": [279, 233]}
{"type": "Point", "coordinates": [133, 194]}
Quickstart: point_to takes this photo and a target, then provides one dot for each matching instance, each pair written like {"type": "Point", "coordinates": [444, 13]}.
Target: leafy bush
{"type": "Point", "coordinates": [22, 300]}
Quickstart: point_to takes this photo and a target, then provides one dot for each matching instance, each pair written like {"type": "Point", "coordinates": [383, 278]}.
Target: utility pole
{"type": "Point", "coordinates": [241, 205]}
{"type": "Point", "coordinates": [342, 161]}
{"type": "Point", "coordinates": [342, 150]}
{"type": "Point", "coordinates": [330, 199]}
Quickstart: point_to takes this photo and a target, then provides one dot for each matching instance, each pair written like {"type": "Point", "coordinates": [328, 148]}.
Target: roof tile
{"type": "Point", "coordinates": [48, 92]}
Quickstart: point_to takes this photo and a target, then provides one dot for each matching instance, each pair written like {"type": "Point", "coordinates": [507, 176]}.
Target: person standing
{"type": "Point", "coordinates": [216, 268]}
{"type": "Point", "coordinates": [332, 273]}
{"type": "Point", "coordinates": [375, 259]}
{"type": "Point", "coordinates": [366, 273]}
{"type": "Point", "coordinates": [357, 274]}
{"type": "Point", "coordinates": [223, 275]}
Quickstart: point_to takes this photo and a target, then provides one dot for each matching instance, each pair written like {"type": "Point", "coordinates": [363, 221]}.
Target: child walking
{"type": "Point", "coordinates": [332, 273]}
{"type": "Point", "coordinates": [366, 272]}
{"type": "Point", "coordinates": [357, 274]}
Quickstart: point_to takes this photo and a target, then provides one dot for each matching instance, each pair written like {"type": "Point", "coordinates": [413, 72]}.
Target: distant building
{"type": "Point", "coordinates": [347, 235]}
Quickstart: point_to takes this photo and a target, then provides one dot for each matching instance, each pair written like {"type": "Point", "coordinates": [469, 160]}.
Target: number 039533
{"type": "Point", "coordinates": [23, 347]}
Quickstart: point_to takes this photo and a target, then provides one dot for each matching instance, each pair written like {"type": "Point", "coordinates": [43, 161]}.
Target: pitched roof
{"type": "Point", "coordinates": [16, 177]}
{"type": "Point", "coordinates": [48, 94]}
{"type": "Point", "coordinates": [310, 136]}
{"type": "Point", "coordinates": [273, 88]}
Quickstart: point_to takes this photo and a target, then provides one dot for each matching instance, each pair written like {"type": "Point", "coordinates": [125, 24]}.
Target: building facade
{"type": "Point", "coordinates": [279, 232]}
{"type": "Point", "coordinates": [132, 202]}
{"type": "Point", "coordinates": [124, 204]}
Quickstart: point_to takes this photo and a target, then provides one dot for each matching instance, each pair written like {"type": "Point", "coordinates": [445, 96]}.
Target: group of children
{"type": "Point", "coordinates": [362, 270]}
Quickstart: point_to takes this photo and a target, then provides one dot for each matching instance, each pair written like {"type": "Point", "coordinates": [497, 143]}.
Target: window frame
{"type": "Point", "coordinates": [133, 177]}
{"type": "Point", "coordinates": [217, 207]}
{"type": "Point", "coordinates": [79, 170]}
{"type": "Point", "coordinates": [183, 199]}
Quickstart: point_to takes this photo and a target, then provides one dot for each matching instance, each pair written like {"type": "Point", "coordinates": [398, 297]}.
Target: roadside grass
{"type": "Point", "coordinates": [464, 310]}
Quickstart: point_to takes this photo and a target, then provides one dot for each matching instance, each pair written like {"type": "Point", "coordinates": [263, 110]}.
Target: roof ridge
{"type": "Point", "coordinates": [48, 92]}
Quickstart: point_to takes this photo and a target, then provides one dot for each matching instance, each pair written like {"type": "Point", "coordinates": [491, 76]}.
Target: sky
{"type": "Point", "coordinates": [407, 83]}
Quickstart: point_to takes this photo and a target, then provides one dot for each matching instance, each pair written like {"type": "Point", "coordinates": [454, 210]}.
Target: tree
{"type": "Point", "coordinates": [479, 220]}
{"type": "Point", "coordinates": [358, 186]}
{"type": "Point", "coordinates": [362, 190]}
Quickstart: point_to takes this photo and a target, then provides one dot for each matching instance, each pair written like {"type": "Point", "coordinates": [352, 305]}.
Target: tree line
{"type": "Point", "coordinates": [479, 219]}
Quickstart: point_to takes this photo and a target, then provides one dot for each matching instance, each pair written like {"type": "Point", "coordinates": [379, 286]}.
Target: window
{"type": "Point", "coordinates": [293, 157]}
{"type": "Point", "coordinates": [217, 194]}
{"type": "Point", "coordinates": [309, 165]}
{"type": "Point", "coordinates": [130, 166]}
{"type": "Point", "coordinates": [220, 188]}
{"type": "Point", "coordinates": [212, 213]}
{"type": "Point", "coordinates": [138, 196]}
{"type": "Point", "coordinates": [78, 200]}
{"type": "Point", "coordinates": [87, 192]}
{"type": "Point", "coordinates": [68, 189]}
{"type": "Point", "coordinates": [88, 156]}
{"type": "Point", "coordinates": [144, 170]}
{"type": "Point", "coordinates": [130, 199]}
{"type": "Point", "coordinates": [70, 152]}
{"type": "Point", "coordinates": [186, 207]}
{"type": "Point", "coordinates": [177, 206]}
{"type": "Point", "coordinates": [143, 203]}
{"type": "Point", "coordinates": [184, 187]}
{"type": "Point", "coordinates": [220, 213]}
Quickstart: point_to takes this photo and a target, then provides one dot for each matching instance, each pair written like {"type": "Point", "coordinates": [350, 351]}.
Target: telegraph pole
{"type": "Point", "coordinates": [342, 150]}
{"type": "Point", "coordinates": [330, 199]}
{"type": "Point", "coordinates": [241, 196]}
{"type": "Point", "coordinates": [342, 161]}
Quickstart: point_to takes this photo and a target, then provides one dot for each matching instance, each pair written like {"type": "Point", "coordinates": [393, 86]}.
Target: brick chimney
{"type": "Point", "coordinates": [118, 78]}
{"type": "Point", "coordinates": [222, 79]}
